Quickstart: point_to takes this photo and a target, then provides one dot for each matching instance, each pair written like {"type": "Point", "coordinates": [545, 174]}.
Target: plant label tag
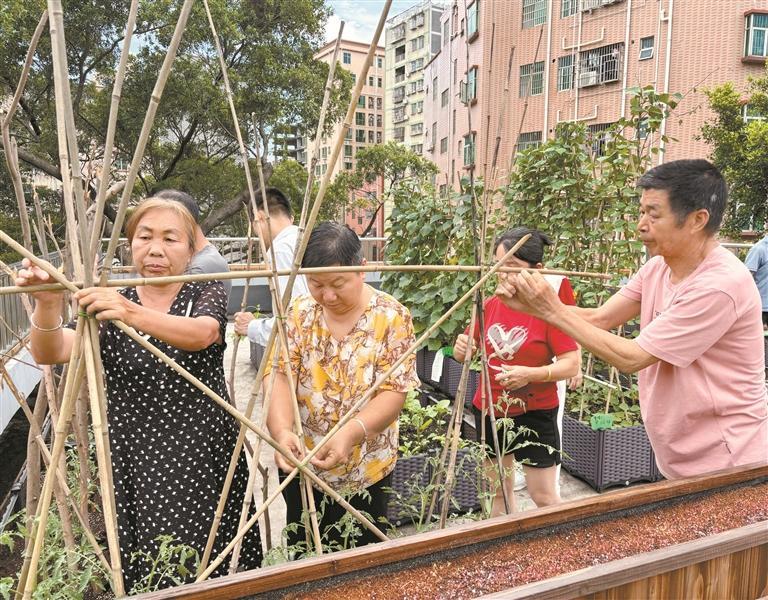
{"type": "Point", "coordinates": [437, 367]}
{"type": "Point", "coordinates": [601, 421]}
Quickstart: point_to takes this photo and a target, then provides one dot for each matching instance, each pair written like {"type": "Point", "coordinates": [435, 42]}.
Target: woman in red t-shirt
{"type": "Point", "coordinates": [523, 381]}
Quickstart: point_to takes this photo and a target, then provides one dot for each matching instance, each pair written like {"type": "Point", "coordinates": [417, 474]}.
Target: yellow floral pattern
{"type": "Point", "coordinates": [332, 375]}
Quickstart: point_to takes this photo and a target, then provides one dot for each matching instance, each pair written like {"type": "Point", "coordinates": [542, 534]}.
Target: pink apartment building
{"type": "Point", "coordinates": [573, 60]}
{"type": "Point", "coordinates": [367, 128]}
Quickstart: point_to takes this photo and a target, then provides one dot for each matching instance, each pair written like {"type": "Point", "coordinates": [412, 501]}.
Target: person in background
{"type": "Point", "coordinates": [206, 259]}
{"type": "Point", "coordinates": [700, 352]}
{"type": "Point", "coordinates": [523, 386]}
{"type": "Point", "coordinates": [282, 234]}
{"type": "Point", "coordinates": [757, 263]}
{"type": "Point", "coordinates": [342, 338]}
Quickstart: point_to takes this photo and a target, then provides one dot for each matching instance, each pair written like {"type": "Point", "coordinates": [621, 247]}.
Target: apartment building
{"type": "Point", "coordinates": [412, 39]}
{"type": "Point", "coordinates": [573, 60]}
{"type": "Point", "coordinates": [367, 128]}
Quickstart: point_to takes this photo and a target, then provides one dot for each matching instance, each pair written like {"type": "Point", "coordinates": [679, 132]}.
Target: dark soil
{"type": "Point", "coordinates": [13, 449]}
{"type": "Point", "coordinates": [521, 559]}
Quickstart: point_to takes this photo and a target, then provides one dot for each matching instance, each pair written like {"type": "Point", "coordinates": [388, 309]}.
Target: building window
{"type": "Point", "coordinates": [534, 13]}
{"type": "Point", "coordinates": [347, 165]}
{"type": "Point", "coordinates": [360, 136]}
{"type": "Point", "coordinates": [346, 58]}
{"type": "Point", "coordinates": [750, 113]}
{"type": "Point", "coordinates": [472, 17]}
{"type": "Point", "coordinates": [532, 139]}
{"type": "Point", "coordinates": [444, 145]}
{"type": "Point", "coordinates": [446, 30]}
{"type": "Point", "coordinates": [565, 72]}
{"type": "Point", "coordinates": [379, 103]}
{"type": "Point", "coordinates": [756, 30]}
{"type": "Point", "coordinates": [378, 82]}
{"type": "Point", "coordinates": [354, 78]}
{"type": "Point", "coordinates": [397, 32]}
{"type": "Point", "coordinates": [601, 65]}
{"type": "Point", "coordinates": [416, 21]}
{"type": "Point", "coordinates": [471, 93]}
{"type": "Point", "coordinates": [370, 120]}
{"type": "Point", "coordinates": [453, 126]}
{"type": "Point", "coordinates": [399, 134]}
{"type": "Point", "coordinates": [455, 20]}
{"type": "Point", "coordinates": [568, 8]}
{"type": "Point", "coordinates": [379, 63]}
{"type": "Point", "coordinates": [642, 129]}
{"type": "Point", "coordinates": [378, 137]}
{"type": "Point", "coordinates": [417, 148]}
{"type": "Point", "coordinates": [598, 136]}
{"type": "Point", "coordinates": [348, 135]}
{"type": "Point", "coordinates": [417, 64]}
{"type": "Point", "coordinates": [398, 114]}
{"type": "Point", "coordinates": [400, 74]}
{"type": "Point", "coordinates": [646, 48]}
{"type": "Point", "coordinates": [379, 121]}
{"type": "Point", "coordinates": [370, 103]}
{"type": "Point", "coordinates": [347, 150]}
{"type": "Point", "coordinates": [433, 137]}
{"type": "Point", "coordinates": [532, 79]}
{"type": "Point", "coordinates": [417, 128]}
{"type": "Point", "coordinates": [417, 43]}
{"type": "Point", "coordinates": [359, 118]}
{"type": "Point", "coordinates": [416, 86]}
{"type": "Point", "coordinates": [417, 107]}
{"type": "Point", "coordinates": [370, 136]}
{"type": "Point", "coordinates": [469, 149]}
{"type": "Point", "coordinates": [444, 97]}
{"type": "Point", "coordinates": [361, 102]}
{"type": "Point", "coordinates": [400, 53]}
{"type": "Point", "coordinates": [399, 94]}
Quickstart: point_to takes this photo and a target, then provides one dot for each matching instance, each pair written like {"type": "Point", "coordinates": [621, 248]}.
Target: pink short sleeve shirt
{"type": "Point", "coordinates": [704, 402]}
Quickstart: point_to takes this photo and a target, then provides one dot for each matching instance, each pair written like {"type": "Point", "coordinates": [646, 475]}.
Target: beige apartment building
{"type": "Point", "coordinates": [412, 38]}
{"type": "Point", "coordinates": [367, 128]}
{"type": "Point", "coordinates": [572, 60]}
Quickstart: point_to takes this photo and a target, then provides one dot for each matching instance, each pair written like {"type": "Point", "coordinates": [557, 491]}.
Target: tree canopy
{"type": "Point", "coordinates": [268, 48]}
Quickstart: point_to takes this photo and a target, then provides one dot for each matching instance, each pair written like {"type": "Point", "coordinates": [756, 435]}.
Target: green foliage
{"type": "Point", "coordinates": [738, 150]}
{"type": "Point", "coordinates": [268, 48]}
{"type": "Point", "coordinates": [6, 587]}
{"type": "Point", "coordinates": [173, 564]}
{"type": "Point", "coordinates": [592, 398]}
{"type": "Point", "coordinates": [582, 192]}
{"type": "Point", "coordinates": [422, 428]}
{"type": "Point", "coordinates": [427, 229]}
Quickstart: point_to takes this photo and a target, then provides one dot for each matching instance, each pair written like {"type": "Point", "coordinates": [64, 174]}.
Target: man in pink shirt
{"type": "Point", "coordinates": [700, 351]}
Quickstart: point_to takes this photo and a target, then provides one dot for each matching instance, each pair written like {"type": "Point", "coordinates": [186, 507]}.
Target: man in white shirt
{"type": "Point", "coordinates": [283, 237]}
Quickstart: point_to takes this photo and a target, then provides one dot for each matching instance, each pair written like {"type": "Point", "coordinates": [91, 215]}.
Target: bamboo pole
{"type": "Point", "coordinates": [106, 168]}
{"type": "Point", "coordinates": [146, 127]}
{"type": "Point", "coordinates": [261, 273]}
{"type": "Point", "coordinates": [272, 281]}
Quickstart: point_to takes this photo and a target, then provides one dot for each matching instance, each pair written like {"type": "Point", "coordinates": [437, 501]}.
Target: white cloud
{"type": "Point", "coordinates": [360, 18]}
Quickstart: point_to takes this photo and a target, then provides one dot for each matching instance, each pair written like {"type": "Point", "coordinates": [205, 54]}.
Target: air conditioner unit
{"type": "Point", "coordinates": [590, 4]}
{"type": "Point", "coordinates": [587, 78]}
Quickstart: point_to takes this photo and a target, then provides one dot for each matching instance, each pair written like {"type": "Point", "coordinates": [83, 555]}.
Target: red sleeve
{"type": "Point", "coordinates": [558, 342]}
{"type": "Point", "coordinates": [566, 293]}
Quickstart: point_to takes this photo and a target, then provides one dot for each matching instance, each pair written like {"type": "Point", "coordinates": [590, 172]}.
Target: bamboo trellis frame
{"type": "Point", "coordinates": [85, 359]}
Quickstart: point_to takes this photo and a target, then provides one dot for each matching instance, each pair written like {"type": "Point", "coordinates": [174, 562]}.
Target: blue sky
{"type": "Point", "coordinates": [360, 18]}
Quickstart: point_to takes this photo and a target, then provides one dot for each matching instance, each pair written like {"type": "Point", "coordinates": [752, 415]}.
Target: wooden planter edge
{"type": "Point", "coordinates": [627, 570]}
{"type": "Point", "coordinates": [312, 569]}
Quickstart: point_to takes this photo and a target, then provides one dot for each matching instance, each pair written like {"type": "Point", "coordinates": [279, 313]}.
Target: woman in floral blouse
{"type": "Point", "coordinates": [341, 339]}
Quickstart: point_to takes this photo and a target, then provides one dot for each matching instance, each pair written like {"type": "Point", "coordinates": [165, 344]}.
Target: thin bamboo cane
{"type": "Point", "coordinates": [62, 481]}
{"type": "Point", "coordinates": [227, 275]}
{"type": "Point", "coordinates": [273, 281]}
{"type": "Point", "coordinates": [146, 127]}
{"type": "Point", "coordinates": [80, 428]}
{"type": "Point", "coordinates": [117, 88]}
{"type": "Point", "coordinates": [28, 577]}
{"type": "Point", "coordinates": [93, 361]}
{"type": "Point", "coordinates": [33, 454]}
{"type": "Point", "coordinates": [42, 241]}
{"type": "Point", "coordinates": [320, 128]}
{"type": "Point", "coordinates": [9, 146]}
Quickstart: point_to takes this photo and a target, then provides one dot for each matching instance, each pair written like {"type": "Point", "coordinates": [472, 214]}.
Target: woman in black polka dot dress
{"type": "Point", "coordinates": [171, 445]}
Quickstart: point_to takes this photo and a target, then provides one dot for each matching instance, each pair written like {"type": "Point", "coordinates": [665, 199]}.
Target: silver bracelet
{"type": "Point", "coordinates": [61, 323]}
{"type": "Point", "coordinates": [359, 421]}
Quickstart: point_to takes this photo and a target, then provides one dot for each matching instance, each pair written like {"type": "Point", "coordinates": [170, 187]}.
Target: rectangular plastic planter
{"type": "Point", "coordinates": [608, 457]}
{"type": "Point", "coordinates": [451, 377]}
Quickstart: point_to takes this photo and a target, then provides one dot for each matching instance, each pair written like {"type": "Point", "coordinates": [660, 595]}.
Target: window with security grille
{"type": "Point", "coordinates": [534, 13]}
{"type": "Point", "coordinates": [399, 134]}
{"type": "Point", "coordinates": [532, 139]}
{"type": "Point", "coordinates": [756, 35]}
{"type": "Point", "coordinates": [598, 136]}
{"type": "Point", "coordinates": [532, 79]}
{"type": "Point", "coordinates": [417, 128]}
{"type": "Point", "coordinates": [565, 73]}
{"type": "Point", "coordinates": [360, 136]}
{"type": "Point", "coordinates": [359, 118]}
{"type": "Point", "coordinates": [398, 114]}
{"type": "Point", "coordinates": [417, 107]}
{"type": "Point", "coordinates": [600, 65]}
{"type": "Point", "coordinates": [568, 8]}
